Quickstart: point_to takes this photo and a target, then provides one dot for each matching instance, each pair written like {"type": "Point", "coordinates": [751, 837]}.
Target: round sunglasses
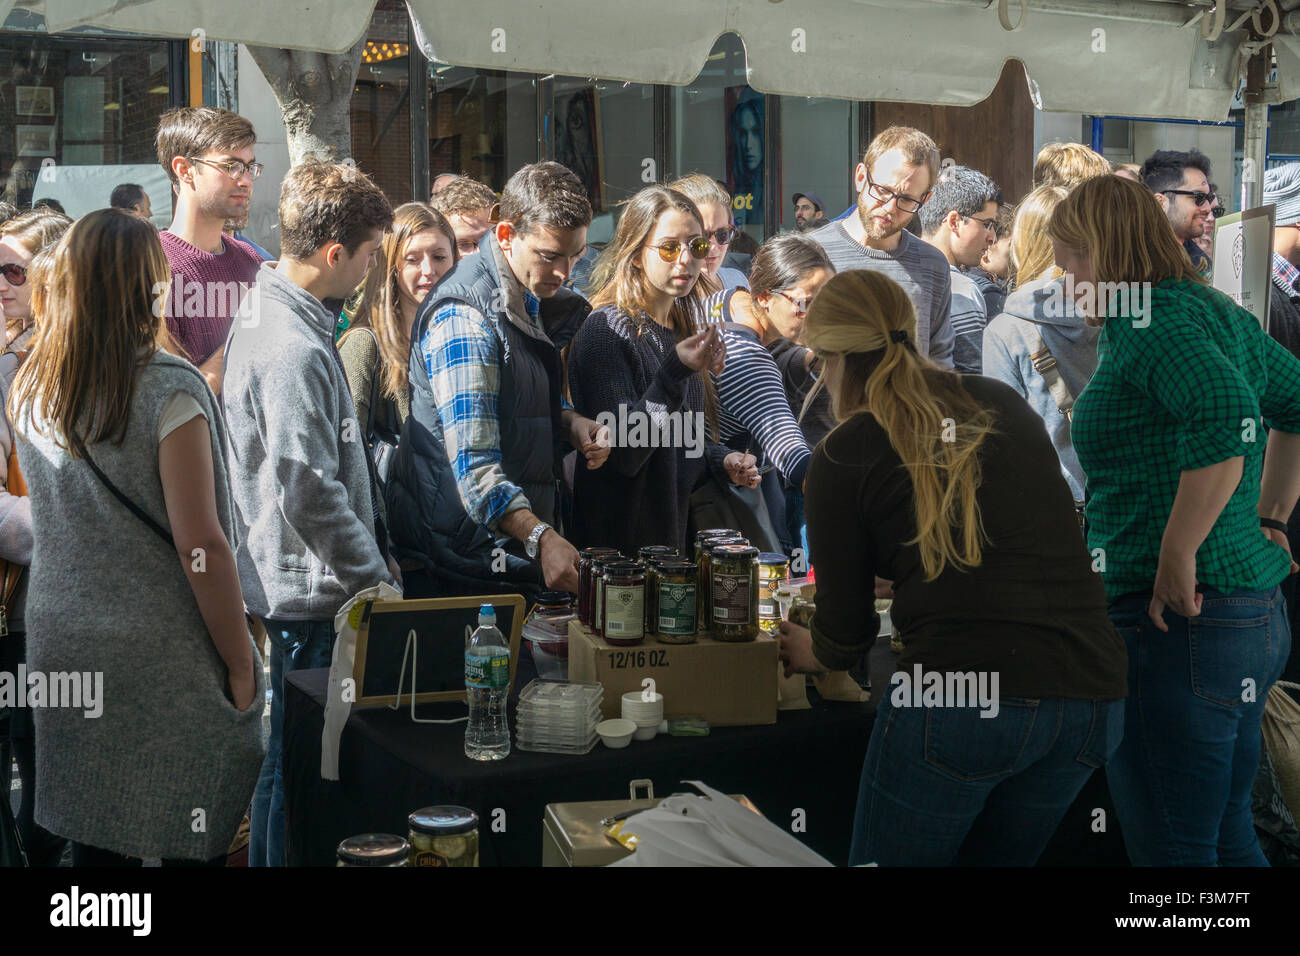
{"type": "Point", "coordinates": [14, 273]}
{"type": "Point", "coordinates": [671, 249]}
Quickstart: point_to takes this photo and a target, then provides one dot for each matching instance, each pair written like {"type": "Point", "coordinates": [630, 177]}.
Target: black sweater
{"type": "Point", "coordinates": [1034, 612]}
{"type": "Point", "coordinates": [641, 495]}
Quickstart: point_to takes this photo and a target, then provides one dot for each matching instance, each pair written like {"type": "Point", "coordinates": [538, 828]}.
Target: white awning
{"type": "Point", "coordinates": [1126, 57]}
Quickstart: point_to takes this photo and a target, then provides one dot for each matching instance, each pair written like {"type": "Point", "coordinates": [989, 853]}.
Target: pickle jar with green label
{"type": "Point", "coordinates": [650, 556]}
{"type": "Point", "coordinates": [676, 593]}
{"type": "Point", "coordinates": [733, 582]}
{"type": "Point", "coordinates": [624, 603]}
{"type": "Point", "coordinates": [443, 836]}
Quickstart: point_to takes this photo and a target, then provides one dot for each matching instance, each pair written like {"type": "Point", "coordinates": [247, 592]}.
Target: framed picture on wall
{"type": "Point", "coordinates": [579, 144]}
{"type": "Point", "coordinates": [35, 140]}
{"type": "Point", "coordinates": [34, 100]}
{"type": "Point", "coordinates": [744, 107]}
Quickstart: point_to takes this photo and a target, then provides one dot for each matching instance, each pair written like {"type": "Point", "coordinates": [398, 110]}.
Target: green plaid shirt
{"type": "Point", "coordinates": [1184, 392]}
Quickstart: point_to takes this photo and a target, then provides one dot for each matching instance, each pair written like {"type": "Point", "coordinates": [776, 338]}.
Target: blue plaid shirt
{"type": "Point", "coordinates": [1286, 275]}
{"type": "Point", "coordinates": [462, 357]}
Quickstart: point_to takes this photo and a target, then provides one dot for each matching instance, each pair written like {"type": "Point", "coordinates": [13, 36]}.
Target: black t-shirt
{"type": "Point", "coordinates": [1034, 611]}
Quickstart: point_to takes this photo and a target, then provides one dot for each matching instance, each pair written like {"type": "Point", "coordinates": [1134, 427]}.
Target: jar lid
{"type": "Point", "coordinates": [600, 560]}
{"type": "Point", "coordinates": [771, 557]}
{"type": "Point", "coordinates": [744, 552]}
{"type": "Point", "coordinates": [554, 600]}
{"type": "Point", "coordinates": [656, 549]}
{"type": "Point", "coordinates": [373, 849]}
{"type": "Point", "coordinates": [623, 567]}
{"type": "Point", "coordinates": [716, 533]}
{"type": "Point", "coordinates": [443, 821]}
{"type": "Point", "coordinates": [727, 542]}
{"type": "Point", "coordinates": [676, 566]}
{"type": "Point", "coordinates": [659, 560]}
{"type": "Point", "coordinates": [596, 552]}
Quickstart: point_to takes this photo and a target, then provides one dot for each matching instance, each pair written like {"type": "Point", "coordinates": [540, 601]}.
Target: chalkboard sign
{"type": "Point", "coordinates": [440, 626]}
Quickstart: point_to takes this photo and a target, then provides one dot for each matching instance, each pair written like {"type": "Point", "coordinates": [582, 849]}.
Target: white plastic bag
{"type": "Point", "coordinates": [337, 708]}
{"type": "Point", "coordinates": [712, 830]}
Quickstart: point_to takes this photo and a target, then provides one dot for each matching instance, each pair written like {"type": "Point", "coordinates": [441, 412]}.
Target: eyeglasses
{"type": "Point", "coordinates": [800, 304]}
{"type": "Point", "coordinates": [990, 225]}
{"type": "Point", "coordinates": [671, 249]}
{"type": "Point", "coordinates": [723, 236]}
{"type": "Point", "coordinates": [1198, 197]}
{"type": "Point", "coordinates": [234, 168]}
{"type": "Point", "coordinates": [883, 195]}
{"type": "Point", "coordinates": [14, 273]}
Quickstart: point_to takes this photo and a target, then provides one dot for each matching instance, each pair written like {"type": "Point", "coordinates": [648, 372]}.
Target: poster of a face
{"type": "Point", "coordinates": [745, 153]}
{"type": "Point", "coordinates": [577, 140]}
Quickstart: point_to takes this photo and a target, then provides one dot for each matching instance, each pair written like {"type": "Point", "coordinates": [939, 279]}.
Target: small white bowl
{"type": "Point", "coordinates": [647, 732]}
{"type": "Point", "coordinates": [617, 733]}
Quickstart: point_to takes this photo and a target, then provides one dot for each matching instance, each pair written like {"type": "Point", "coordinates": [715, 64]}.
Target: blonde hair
{"type": "Point", "coordinates": [917, 404]}
{"type": "Point", "coordinates": [100, 324]}
{"type": "Point", "coordinates": [379, 306]}
{"type": "Point", "coordinates": [620, 281]}
{"type": "Point", "coordinates": [1031, 249]}
{"type": "Point", "coordinates": [1121, 226]}
{"type": "Point", "coordinates": [701, 189]}
{"type": "Point", "coordinates": [39, 274]}
{"type": "Point", "coordinates": [1068, 164]}
{"type": "Point", "coordinates": [917, 148]}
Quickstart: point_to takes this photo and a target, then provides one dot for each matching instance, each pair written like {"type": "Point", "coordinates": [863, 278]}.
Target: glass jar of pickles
{"type": "Point", "coordinates": [676, 593]}
{"type": "Point", "coordinates": [624, 602]}
{"type": "Point", "coordinates": [713, 533]}
{"type": "Point", "coordinates": [733, 582]}
{"type": "Point", "coordinates": [773, 572]}
{"type": "Point", "coordinates": [443, 836]}
{"type": "Point", "coordinates": [651, 556]}
{"type": "Point", "coordinates": [373, 849]}
{"type": "Point", "coordinates": [705, 617]}
{"type": "Point", "coordinates": [598, 589]}
{"type": "Point", "coordinates": [587, 582]}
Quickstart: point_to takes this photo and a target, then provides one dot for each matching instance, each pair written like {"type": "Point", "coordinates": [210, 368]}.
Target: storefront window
{"type": "Point", "coordinates": [481, 122]}
{"type": "Point", "coordinates": [604, 132]}
{"type": "Point", "coordinates": [78, 119]}
{"type": "Point", "coordinates": [381, 119]}
{"type": "Point", "coordinates": [818, 153]}
{"type": "Point", "coordinates": [718, 130]}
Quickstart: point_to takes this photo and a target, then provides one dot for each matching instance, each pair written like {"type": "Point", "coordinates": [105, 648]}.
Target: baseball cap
{"type": "Point", "coordinates": [811, 197]}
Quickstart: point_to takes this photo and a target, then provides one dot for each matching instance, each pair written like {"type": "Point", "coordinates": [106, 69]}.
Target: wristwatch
{"type": "Point", "coordinates": [535, 537]}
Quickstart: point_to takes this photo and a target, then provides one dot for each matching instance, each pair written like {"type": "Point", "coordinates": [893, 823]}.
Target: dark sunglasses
{"type": "Point", "coordinates": [1198, 197]}
{"type": "Point", "coordinates": [1218, 212]}
{"type": "Point", "coordinates": [724, 235]}
{"type": "Point", "coordinates": [670, 250]}
{"type": "Point", "coordinates": [14, 273]}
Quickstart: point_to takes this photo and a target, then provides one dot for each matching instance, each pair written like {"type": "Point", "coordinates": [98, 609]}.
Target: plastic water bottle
{"type": "Point", "coordinates": [487, 676]}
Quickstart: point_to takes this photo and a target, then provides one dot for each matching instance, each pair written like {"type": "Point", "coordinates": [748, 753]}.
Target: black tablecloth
{"type": "Point", "coordinates": [809, 760]}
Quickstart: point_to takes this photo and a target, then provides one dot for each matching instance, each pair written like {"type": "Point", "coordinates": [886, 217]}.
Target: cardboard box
{"type": "Point", "coordinates": [727, 684]}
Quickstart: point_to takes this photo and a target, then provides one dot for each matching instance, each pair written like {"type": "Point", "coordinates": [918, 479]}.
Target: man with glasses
{"type": "Point", "coordinates": [808, 212]}
{"type": "Point", "coordinates": [1181, 184]}
{"type": "Point", "coordinates": [472, 494]}
{"type": "Point", "coordinates": [208, 155]}
{"type": "Point", "coordinates": [961, 220]}
{"type": "Point", "coordinates": [893, 182]}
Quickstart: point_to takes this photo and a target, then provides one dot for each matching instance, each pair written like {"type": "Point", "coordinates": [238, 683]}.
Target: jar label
{"type": "Point", "coordinates": [732, 598]}
{"type": "Point", "coordinates": [677, 609]}
{"type": "Point", "coordinates": [598, 616]}
{"type": "Point", "coordinates": [624, 610]}
{"type": "Point", "coordinates": [767, 609]}
{"type": "Point", "coordinates": [429, 858]}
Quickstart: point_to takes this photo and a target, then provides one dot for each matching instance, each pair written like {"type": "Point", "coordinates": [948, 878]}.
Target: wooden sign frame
{"type": "Point", "coordinates": [373, 610]}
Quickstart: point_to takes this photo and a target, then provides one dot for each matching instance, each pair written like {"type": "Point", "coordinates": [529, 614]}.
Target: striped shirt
{"type": "Point", "coordinates": [751, 396]}
{"type": "Point", "coordinates": [1182, 387]}
{"type": "Point", "coordinates": [968, 318]}
{"type": "Point", "coordinates": [463, 355]}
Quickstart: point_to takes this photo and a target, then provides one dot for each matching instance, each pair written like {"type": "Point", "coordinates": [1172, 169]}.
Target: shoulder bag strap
{"type": "Point", "coordinates": [120, 496]}
{"type": "Point", "coordinates": [1046, 365]}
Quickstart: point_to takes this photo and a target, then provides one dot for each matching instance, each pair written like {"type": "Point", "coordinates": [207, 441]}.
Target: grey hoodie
{"type": "Point", "coordinates": [1042, 308]}
{"type": "Point", "coordinates": [297, 459]}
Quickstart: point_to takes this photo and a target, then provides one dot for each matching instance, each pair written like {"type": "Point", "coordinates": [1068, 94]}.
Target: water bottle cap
{"type": "Point", "coordinates": [487, 614]}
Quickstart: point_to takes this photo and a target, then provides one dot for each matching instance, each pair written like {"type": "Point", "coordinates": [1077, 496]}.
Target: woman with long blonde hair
{"type": "Point", "coordinates": [947, 486]}
{"type": "Point", "coordinates": [637, 364]}
{"type": "Point", "coordinates": [416, 252]}
{"type": "Point", "coordinates": [1040, 344]}
{"type": "Point", "coordinates": [133, 577]}
{"type": "Point", "coordinates": [1188, 515]}
{"type": "Point", "coordinates": [714, 203]}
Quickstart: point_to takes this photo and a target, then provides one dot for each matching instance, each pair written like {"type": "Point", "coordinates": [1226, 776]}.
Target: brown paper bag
{"type": "Point", "coordinates": [838, 685]}
{"type": "Point", "coordinates": [792, 691]}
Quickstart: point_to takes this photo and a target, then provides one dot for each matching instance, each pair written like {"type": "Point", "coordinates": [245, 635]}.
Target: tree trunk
{"type": "Point", "coordinates": [314, 91]}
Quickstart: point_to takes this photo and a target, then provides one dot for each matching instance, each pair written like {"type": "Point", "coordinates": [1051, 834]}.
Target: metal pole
{"type": "Point", "coordinates": [1098, 128]}
{"type": "Point", "coordinates": [1254, 152]}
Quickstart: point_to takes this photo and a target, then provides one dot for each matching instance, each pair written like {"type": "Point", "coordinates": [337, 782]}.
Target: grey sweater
{"type": "Point", "coordinates": [922, 271]}
{"type": "Point", "coordinates": [15, 510]}
{"type": "Point", "coordinates": [106, 595]}
{"type": "Point", "coordinates": [298, 465]}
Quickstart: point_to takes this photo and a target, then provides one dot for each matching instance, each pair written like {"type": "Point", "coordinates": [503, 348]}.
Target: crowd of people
{"type": "Point", "coordinates": [925, 392]}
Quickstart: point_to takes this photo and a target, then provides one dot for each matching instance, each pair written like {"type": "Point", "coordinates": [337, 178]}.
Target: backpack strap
{"type": "Point", "coordinates": [1045, 362]}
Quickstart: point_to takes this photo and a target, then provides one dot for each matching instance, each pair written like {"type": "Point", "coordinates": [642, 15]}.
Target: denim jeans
{"type": "Point", "coordinates": [295, 645]}
{"type": "Point", "coordinates": [945, 786]}
{"type": "Point", "coordinates": [1181, 779]}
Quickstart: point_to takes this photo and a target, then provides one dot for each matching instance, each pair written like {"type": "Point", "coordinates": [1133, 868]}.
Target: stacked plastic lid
{"type": "Point", "coordinates": [558, 717]}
